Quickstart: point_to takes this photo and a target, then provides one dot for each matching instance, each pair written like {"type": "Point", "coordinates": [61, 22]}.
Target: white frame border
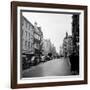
{"type": "Point", "coordinates": [56, 78]}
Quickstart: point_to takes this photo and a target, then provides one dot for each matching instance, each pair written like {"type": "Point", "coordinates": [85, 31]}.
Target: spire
{"type": "Point", "coordinates": [66, 34]}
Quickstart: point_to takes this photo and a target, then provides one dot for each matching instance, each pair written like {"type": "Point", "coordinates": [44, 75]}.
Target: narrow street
{"type": "Point", "coordinates": [55, 67]}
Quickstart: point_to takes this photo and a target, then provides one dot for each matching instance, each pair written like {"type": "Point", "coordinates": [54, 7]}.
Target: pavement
{"type": "Point", "coordinates": [55, 67]}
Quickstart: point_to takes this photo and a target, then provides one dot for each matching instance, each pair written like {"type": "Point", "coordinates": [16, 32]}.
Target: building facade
{"type": "Point", "coordinates": [75, 34]}
{"type": "Point", "coordinates": [71, 43]}
{"type": "Point", "coordinates": [48, 47]}
{"type": "Point", "coordinates": [31, 37]}
{"type": "Point", "coordinates": [38, 37]}
{"type": "Point", "coordinates": [67, 45]}
{"type": "Point", "coordinates": [27, 36]}
{"type": "Point", "coordinates": [61, 51]}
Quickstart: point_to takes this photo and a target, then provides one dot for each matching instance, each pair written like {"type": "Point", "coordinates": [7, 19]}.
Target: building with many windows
{"type": "Point", "coordinates": [27, 36]}
{"type": "Point", "coordinates": [31, 37]}
{"type": "Point", "coordinates": [67, 45]}
{"type": "Point", "coordinates": [48, 47]}
{"type": "Point", "coordinates": [38, 37]}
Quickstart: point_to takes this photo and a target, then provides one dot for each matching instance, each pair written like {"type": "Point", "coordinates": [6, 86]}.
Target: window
{"type": "Point", "coordinates": [25, 43]}
{"type": "Point", "coordinates": [37, 36]}
{"type": "Point", "coordinates": [26, 33]}
{"type": "Point", "coordinates": [28, 44]}
{"type": "Point", "coordinates": [29, 36]}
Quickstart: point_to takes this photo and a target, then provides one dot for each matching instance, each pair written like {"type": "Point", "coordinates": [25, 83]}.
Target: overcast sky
{"type": "Point", "coordinates": [54, 26]}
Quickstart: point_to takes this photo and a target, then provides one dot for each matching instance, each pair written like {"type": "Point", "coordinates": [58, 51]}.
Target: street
{"type": "Point", "coordinates": [55, 67]}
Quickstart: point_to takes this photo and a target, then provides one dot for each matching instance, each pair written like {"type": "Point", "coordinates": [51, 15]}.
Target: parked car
{"type": "Point", "coordinates": [25, 63]}
{"type": "Point", "coordinates": [47, 58]}
{"type": "Point", "coordinates": [35, 60]}
{"type": "Point", "coordinates": [42, 59]}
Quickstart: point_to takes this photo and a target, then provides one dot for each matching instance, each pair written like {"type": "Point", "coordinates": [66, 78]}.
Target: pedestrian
{"type": "Point", "coordinates": [71, 57]}
{"type": "Point", "coordinates": [74, 60]}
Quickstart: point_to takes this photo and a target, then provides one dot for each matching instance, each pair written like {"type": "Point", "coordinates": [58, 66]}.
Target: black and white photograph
{"type": "Point", "coordinates": [49, 43]}
{"type": "Point", "coordinates": [49, 46]}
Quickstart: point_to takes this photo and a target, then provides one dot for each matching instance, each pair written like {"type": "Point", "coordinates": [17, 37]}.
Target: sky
{"type": "Point", "coordinates": [53, 26]}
